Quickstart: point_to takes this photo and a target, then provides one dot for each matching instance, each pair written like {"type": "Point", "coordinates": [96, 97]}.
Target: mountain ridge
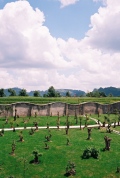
{"type": "Point", "coordinates": [109, 91]}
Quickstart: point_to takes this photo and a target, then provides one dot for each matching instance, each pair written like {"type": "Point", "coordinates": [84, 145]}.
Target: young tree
{"type": "Point", "coordinates": [36, 157]}
{"type": "Point", "coordinates": [48, 138]}
{"type": "Point", "coordinates": [107, 143]}
{"type": "Point", "coordinates": [31, 132]}
{"type": "Point", "coordinates": [89, 133]}
{"type": "Point", "coordinates": [46, 146]}
{"type": "Point", "coordinates": [70, 169]}
{"type": "Point", "coordinates": [13, 148]}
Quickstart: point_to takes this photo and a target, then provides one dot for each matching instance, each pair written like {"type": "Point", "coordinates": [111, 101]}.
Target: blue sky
{"type": "Point", "coordinates": [62, 43]}
{"type": "Point", "coordinates": [70, 21]}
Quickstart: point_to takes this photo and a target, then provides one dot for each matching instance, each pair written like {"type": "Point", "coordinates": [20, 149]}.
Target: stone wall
{"type": "Point", "coordinates": [29, 109]}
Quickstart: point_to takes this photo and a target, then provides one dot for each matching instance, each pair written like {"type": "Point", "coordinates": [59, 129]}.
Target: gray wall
{"type": "Point", "coordinates": [29, 109]}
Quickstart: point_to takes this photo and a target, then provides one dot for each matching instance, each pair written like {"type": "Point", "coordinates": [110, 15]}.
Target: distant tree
{"type": "Point", "coordinates": [102, 94]}
{"type": "Point", "coordinates": [110, 95]}
{"type": "Point", "coordinates": [52, 92]}
{"type": "Point", "coordinates": [58, 94]}
{"type": "Point", "coordinates": [36, 93]}
{"type": "Point", "coordinates": [96, 93]}
{"type": "Point", "coordinates": [23, 92]}
{"type": "Point", "coordinates": [68, 94]}
{"type": "Point", "coordinates": [44, 95]}
{"type": "Point", "coordinates": [12, 92]}
{"type": "Point", "coordinates": [2, 94]}
{"type": "Point", "coordinates": [89, 94]}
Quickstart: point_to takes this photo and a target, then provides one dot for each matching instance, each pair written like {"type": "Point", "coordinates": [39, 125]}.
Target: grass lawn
{"type": "Point", "coordinates": [107, 117]}
{"type": "Point", "coordinates": [54, 160]}
{"type": "Point", "coordinates": [42, 121]}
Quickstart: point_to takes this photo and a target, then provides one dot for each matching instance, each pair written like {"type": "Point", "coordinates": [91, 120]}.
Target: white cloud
{"type": "Point", "coordinates": [67, 2]}
{"type": "Point", "coordinates": [31, 58]}
{"type": "Point", "coordinates": [105, 33]}
{"type": "Point", "coordinates": [24, 40]}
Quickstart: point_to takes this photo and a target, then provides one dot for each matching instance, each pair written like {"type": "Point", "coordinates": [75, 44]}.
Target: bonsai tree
{"type": "Point", "coordinates": [48, 138]}
{"type": "Point", "coordinates": [86, 120]}
{"type": "Point", "coordinates": [68, 141]}
{"type": "Point", "coordinates": [107, 143]}
{"type": "Point", "coordinates": [13, 148]}
{"type": "Point", "coordinates": [118, 170]}
{"type": "Point", "coordinates": [114, 123]}
{"type": "Point", "coordinates": [46, 146]}
{"type": "Point", "coordinates": [31, 132]}
{"type": "Point", "coordinates": [36, 157]}
{"type": "Point", "coordinates": [36, 125]}
{"type": "Point", "coordinates": [70, 169]}
{"type": "Point", "coordinates": [47, 126]}
{"type": "Point", "coordinates": [2, 133]}
{"type": "Point", "coordinates": [14, 129]}
{"type": "Point", "coordinates": [67, 122]}
{"type": "Point", "coordinates": [89, 133]}
{"type": "Point", "coordinates": [109, 128]}
{"type": "Point", "coordinates": [58, 125]}
{"type": "Point", "coordinates": [66, 130]}
{"type": "Point", "coordinates": [21, 137]}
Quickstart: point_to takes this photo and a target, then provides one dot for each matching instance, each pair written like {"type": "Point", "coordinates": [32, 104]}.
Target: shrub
{"type": "Point", "coordinates": [90, 152]}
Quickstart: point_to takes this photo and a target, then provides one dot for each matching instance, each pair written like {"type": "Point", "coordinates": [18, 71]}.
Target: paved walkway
{"type": "Point", "coordinates": [100, 123]}
{"type": "Point", "coordinates": [50, 127]}
{"type": "Point", "coordinates": [60, 127]}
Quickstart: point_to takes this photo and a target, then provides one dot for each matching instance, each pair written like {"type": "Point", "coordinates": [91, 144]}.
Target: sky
{"type": "Point", "coordinates": [67, 44]}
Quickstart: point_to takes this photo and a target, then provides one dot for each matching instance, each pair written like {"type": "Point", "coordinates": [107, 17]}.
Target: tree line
{"type": "Point", "coordinates": [51, 92]}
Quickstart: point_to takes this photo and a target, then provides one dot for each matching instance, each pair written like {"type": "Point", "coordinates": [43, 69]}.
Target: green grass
{"type": "Point", "coordinates": [111, 118]}
{"type": "Point", "coordinates": [42, 121]}
{"type": "Point", "coordinates": [71, 100]}
{"type": "Point", "coordinates": [54, 161]}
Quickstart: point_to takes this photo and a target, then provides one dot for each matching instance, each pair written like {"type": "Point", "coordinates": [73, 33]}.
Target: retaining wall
{"type": "Point", "coordinates": [29, 109]}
